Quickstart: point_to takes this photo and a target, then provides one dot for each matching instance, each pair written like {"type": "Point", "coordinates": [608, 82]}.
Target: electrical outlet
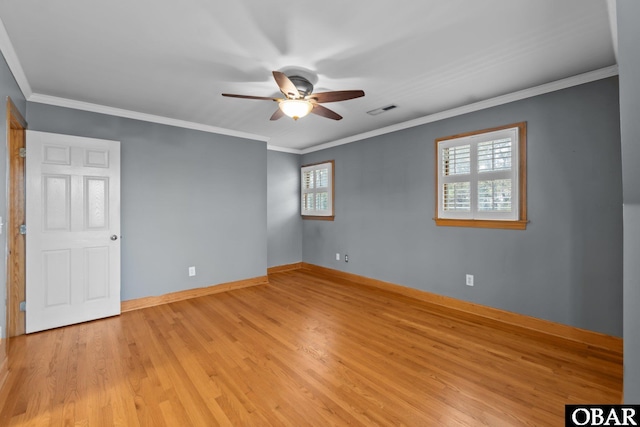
{"type": "Point", "coordinates": [469, 281]}
{"type": "Point", "coordinates": [337, 257]}
{"type": "Point", "coordinates": [192, 271]}
{"type": "Point", "coordinates": [346, 258]}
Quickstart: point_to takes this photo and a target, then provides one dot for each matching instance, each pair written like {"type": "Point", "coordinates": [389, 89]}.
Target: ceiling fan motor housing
{"type": "Point", "coordinates": [303, 85]}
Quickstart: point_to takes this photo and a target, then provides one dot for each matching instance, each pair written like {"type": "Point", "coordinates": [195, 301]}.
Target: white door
{"type": "Point", "coordinates": [73, 230]}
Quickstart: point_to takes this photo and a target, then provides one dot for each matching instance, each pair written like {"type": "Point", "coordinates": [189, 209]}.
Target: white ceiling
{"type": "Point", "coordinates": [173, 59]}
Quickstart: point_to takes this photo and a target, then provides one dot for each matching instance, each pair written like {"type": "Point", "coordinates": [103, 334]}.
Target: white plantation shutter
{"type": "Point", "coordinates": [317, 189]}
{"type": "Point", "coordinates": [307, 190]}
{"type": "Point", "coordinates": [494, 155]}
{"type": "Point", "coordinates": [456, 160]}
{"type": "Point", "coordinates": [456, 197]}
{"type": "Point", "coordinates": [455, 167]}
{"type": "Point", "coordinates": [478, 176]}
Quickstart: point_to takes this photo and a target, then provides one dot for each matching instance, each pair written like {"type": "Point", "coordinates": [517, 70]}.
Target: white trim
{"type": "Point", "coordinates": [13, 62]}
{"type": "Point", "coordinates": [579, 79]}
{"type": "Point", "coordinates": [283, 149]}
{"type": "Point", "coordinates": [118, 112]}
{"type": "Point", "coordinates": [591, 76]}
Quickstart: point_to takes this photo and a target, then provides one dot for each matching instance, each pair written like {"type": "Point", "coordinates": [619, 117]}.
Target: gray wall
{"type": "Point", "coordinates": [566, 267]}
{"type": "Point", "coordinates": [188, 198]}
{"type": "Point", "coordinates": [8, 87]}
{"type": "Point", "coordinates": [628, 12]}
{"type": "Point", "coordinates": [284, 225]}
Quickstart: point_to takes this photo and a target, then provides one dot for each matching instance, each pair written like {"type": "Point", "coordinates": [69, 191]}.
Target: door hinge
{"type": "Point", "coordinates": [23, 229]}
{"type": "Point", "coordinates": [23, 152]}
{"type": "Point", "coordinates": [23, 306]}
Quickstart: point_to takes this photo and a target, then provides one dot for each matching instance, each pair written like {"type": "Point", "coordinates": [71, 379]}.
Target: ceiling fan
{"type": "Point", "coordinates": [300, 100]}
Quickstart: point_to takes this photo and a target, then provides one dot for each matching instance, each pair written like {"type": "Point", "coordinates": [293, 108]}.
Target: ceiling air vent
{"type": "Point", "coordinates": [382, 110]}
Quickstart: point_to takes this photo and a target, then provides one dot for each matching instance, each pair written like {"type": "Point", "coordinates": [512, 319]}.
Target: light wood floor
{"type": "Point", "coordinates": [303, 350]}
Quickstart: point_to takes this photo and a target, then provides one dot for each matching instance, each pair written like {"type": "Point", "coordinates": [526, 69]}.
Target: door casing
{"type": "Point", "coordinates": [15, 280]}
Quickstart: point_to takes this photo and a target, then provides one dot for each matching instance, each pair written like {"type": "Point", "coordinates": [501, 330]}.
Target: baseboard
{"type": "Point", "coordinates": [591, 338]}
{"type": "Point", "coordinates": [137, 304]}
{"type": "Point", "coordinates": [285, 267]}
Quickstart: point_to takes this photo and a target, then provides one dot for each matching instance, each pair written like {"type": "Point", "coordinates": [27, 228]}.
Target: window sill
{"type": "Point", "coordinates": [320, 218]}
{"type": "Point", "coordinates": [477, 223]}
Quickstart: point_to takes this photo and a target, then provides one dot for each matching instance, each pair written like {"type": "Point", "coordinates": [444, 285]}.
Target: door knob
{"type": "Point", "coordinates": [114, 237]}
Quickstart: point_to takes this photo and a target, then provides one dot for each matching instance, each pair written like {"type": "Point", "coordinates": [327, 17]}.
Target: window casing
{"type": "Point", "coordinates": [481, 178]}
{"type": "Point", "coordinates": [317, 191]}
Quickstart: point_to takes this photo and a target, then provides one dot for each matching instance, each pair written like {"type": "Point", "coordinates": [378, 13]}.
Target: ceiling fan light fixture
{"type": "Point", "coordinates": [299, 99]}
{"type": "Point", "coordinates": [295, 108]}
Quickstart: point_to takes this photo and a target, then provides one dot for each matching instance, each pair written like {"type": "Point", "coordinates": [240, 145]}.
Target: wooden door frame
{"type": "Point", "coordinates": [16, 139]}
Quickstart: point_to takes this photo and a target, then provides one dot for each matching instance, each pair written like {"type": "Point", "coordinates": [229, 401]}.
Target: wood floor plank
{"type": "Point", "coordinates": [304, 350]}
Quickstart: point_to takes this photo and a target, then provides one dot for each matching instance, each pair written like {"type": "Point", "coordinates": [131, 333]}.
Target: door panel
{"type": "Point", "coordinates": [56, 274]}
{"type": "Point", "coordinates": [73, 210]}
{"type": "Point", "coordinates": [56, 202]}
{"type": "Point", "coordinates": [96, 273]}
{"type": "Point", "coordinates": [96, 202]}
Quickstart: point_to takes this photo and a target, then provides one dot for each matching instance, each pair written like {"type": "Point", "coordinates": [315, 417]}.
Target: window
{"type": "Point", "coordinates": [481, 178]}
{"type": "Point", "coordinates": [317, 191]}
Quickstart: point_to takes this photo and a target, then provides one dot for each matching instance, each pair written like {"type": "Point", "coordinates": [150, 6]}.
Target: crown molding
{"type": "Point", "coordinates": [102, 109]}
{"type": "Point", "coordinates": [476, 106]}
{"type": "Point", "coordinates": [579, 79]}
{"type": "Point", "coordinates": [283, 149]}
{"type": "Point", "coordinates": [13, 62]}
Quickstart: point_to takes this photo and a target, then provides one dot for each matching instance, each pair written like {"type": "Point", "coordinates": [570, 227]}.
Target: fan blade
{"type": "Point", "coordinates": [286, 86]}
{"type": "Point", "coordinates": [277, 114]}
{"type": "Point", "coordinates": [338, 95]}
{"type": "Point", "coordinates": [250, 97]}
{"type": "Point", "coordinates": [325, 112]}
